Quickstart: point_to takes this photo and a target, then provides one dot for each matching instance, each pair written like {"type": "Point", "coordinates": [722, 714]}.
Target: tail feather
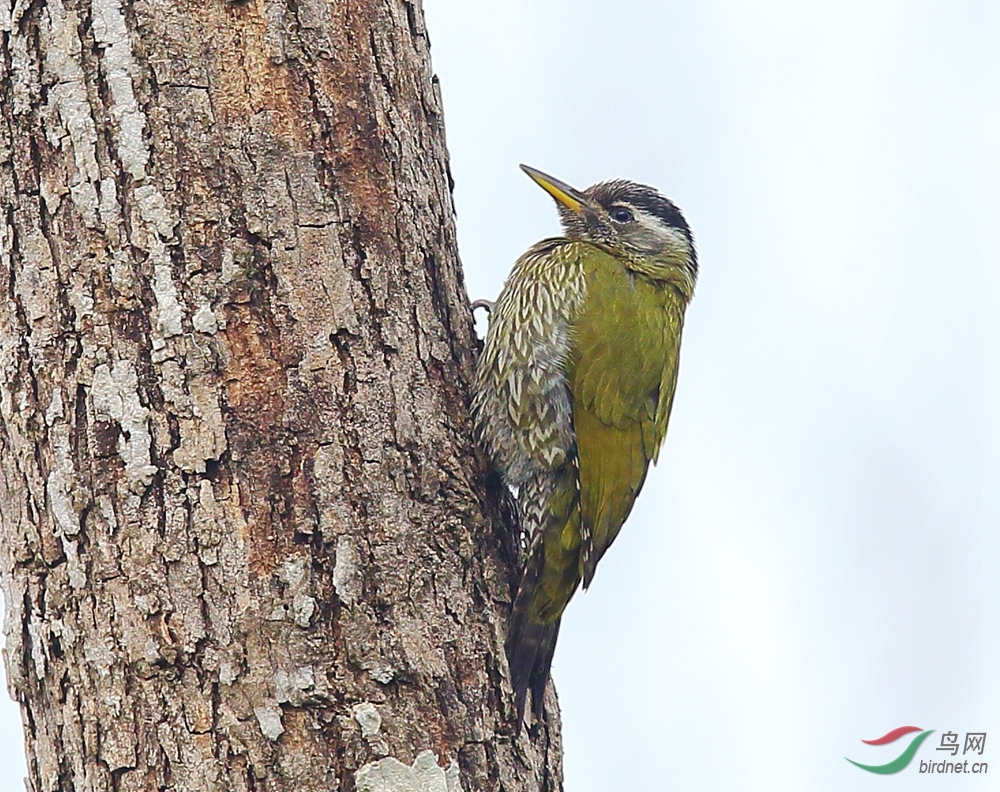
{"type": "Point", "coordinates": [543, 663]}
{"type": "Point", "coordinates": [552, 573]}
{"type": "Point", "coordinates": [531, 643]}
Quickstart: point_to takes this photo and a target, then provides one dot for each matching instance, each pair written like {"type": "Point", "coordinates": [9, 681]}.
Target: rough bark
{"type": "Point", "coordinates": [245, 542]}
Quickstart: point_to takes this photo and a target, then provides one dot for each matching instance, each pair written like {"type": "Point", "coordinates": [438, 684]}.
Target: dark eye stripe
{"type": "Point", "coordinates": [658, 206]}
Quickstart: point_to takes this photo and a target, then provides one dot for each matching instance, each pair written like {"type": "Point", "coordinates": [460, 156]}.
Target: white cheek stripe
{"type": "Point", "coordinates": [657, 227]}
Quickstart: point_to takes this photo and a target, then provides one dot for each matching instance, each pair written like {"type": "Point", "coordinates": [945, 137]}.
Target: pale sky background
{"type": "Point", "coordinates": [815, 560]}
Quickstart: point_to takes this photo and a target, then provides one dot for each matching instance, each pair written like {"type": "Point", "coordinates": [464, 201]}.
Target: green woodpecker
{"type": "Point", "coordinates": [573, 391]}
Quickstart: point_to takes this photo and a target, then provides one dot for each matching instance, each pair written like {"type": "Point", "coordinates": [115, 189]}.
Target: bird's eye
{"type": "Point", "coordinates": [622, 215]}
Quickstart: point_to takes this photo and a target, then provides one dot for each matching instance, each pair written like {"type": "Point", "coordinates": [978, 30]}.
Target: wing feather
{"type": "Point", "coordinates": [622, 370]}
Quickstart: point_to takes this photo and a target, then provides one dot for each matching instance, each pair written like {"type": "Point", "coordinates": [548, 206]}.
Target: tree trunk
{"type": "Point", "coordinates": [245, 540]}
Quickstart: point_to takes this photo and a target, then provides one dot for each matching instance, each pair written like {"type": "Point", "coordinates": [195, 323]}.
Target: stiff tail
{"type": "Point", "coordinates": [551, 508]}
{"type": "Point", "coordinates": [531, 641]}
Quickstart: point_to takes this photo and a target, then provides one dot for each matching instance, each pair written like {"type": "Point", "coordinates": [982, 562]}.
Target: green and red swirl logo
{"type": "Point", "coordinates": [904, 758]}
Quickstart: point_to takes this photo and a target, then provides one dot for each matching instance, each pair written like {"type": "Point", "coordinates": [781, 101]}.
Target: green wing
{"type": "Point", "coordinates": [622, 374]}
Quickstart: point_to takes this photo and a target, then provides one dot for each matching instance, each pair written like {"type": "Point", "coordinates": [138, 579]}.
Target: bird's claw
{"type": "Point", "coordinates": [487, 304]}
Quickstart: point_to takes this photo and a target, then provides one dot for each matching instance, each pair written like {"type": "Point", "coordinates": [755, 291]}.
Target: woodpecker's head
{"type": "Point", "coordinates": [626, 218]}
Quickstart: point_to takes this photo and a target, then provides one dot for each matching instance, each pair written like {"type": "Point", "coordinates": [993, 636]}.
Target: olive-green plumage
{"type": "Point", "coordinates": [574, 388]}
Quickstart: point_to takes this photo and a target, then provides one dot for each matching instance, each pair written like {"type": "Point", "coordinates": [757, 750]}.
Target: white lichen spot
{"type": "Point", "coordinates": [123, 276]}
{"type": "Point", "coordinates": [84, 197]}
{"type": "Point", "coordinates": [61, 482]}
{"type": "Point", "coordinates": [59, 488]}
{"type": "Point", "coordinates": [383, 674]}
{"type": "Point", "coordinates": [109, 209]}
{"type": "Point", "coordinates": [80, 298]}
{"type": "Point", "coordinates": [15, 649]}
{"type": "Point", "coordinates": [37, 287]}
{"type": "Point", "coordinates": [118, 65]}
{"type": "Point", "coordinates": [294, 687]}
{"type": "Point", "coordinates": [98, 655]}
{"type": "Point", "coordinates": [229, 267]}
{"type": "Point", "coordinates": [346, 578]}
{"type": "Point", "coordinates": [52, 189]}
{"type": "Point", "coordinates": [202, 428]}
{"type": "Point", "coordinates": [168, 319]}
{"type": "Point", "coordinates": [56, 410]}
{"type": "Point", "coordinates": [206, 521]}
{"type": "Point", "coordinates": [115, 395]}
{"type": "Point", "coordinates": [269, 718]}
{"type": "Point", "coordinates": [68, 97]}
{"type": "Point", "coordinates": [366, 714]}
{"type": "Point", "coordinates": [293, 571]}
{"type": "Point", "coordinates": [147, 604]}
{"type": "Point", "coordinates": [302, 610]}
{"type": "Point", "coordinates": [452, 778]}
{"type": "Point", "coordinates": [370, 721]}
{"type": "Point", "coordinates": [424, 775]}
{"type": "Point", "coordinates": [38, 639]}
{"type": "Point", "coordinates": [204, 320]}
{"type": "Point", "coordinates": [227, 673]}
{"type": "Point", "coordinates": [74, 568]}
{"type": "Point", "coordinates": [153, 210]}
{"type": "Point", "coordinates": [66, 632]}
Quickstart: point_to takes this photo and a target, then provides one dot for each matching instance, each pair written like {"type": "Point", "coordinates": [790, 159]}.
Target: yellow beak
{"type": "Point", "coordinates": [572, 199]}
